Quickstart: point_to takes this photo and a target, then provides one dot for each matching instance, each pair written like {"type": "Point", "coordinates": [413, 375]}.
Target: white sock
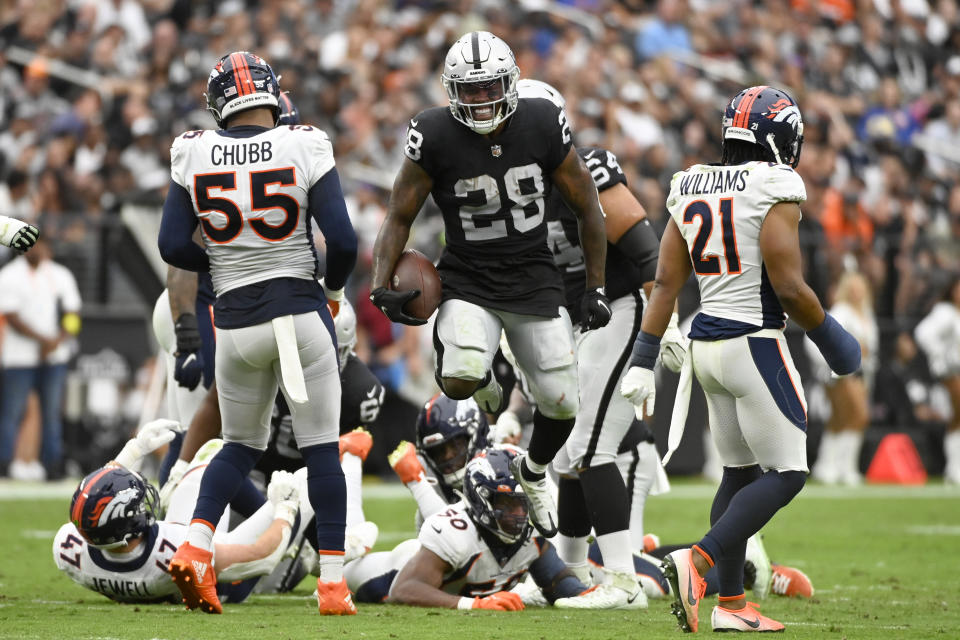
{"type": "Point", "coordinates": [849, 442]}
{"type": "Point", "coordinates": [572, 549]}
{"type": "Point", "coordinates": [331, 567]}
{"type": "Point", "coordinates": [616, 551]}
{"type": "Point", "coordinates": [353, 475]}
{"type": "Point", "coordinates": [200, 535]}
{"type": "Point", "coordinates": [535, 467]}
{"type": "Point", "coordinates": [826, 468]}
{"type": "Point", "coordinates": [428, 500]}
{"type": "Point", "coordinates": [951, 448]}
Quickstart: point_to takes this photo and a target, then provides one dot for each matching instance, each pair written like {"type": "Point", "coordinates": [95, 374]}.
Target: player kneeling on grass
{"type": "Point", "coordinates": [470, 555]}
{"type": "Point", "coordinates": [115, 545]}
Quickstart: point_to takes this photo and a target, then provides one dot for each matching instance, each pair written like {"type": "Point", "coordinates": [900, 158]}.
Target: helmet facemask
{"type": "Point", "coordinates": [484, 104]}
{"type": "Point", "coordinates": [448, 457]}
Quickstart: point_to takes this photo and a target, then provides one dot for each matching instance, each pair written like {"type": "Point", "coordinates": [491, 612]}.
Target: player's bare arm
{"type": "Point", "coordinates": [227, 554]}
{"type": "Point", "coordinates": [673, 269]}
{"type": "Point", "coordinates": [780, 248]}
{"type": "Point", "coordinates": [578, 190]}
{"type": "Point", "coordinates": [418, 583]}
{"type": "Point", "coordinates": [182, 288]}
{"type": "Point", "coordinates": [410, 191]}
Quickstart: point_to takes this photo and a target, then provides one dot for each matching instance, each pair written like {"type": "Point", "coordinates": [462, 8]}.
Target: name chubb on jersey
{"type": "Point", "coordinates": [713, 182]}
{"type": "Point", "coordinates": [241, 153]}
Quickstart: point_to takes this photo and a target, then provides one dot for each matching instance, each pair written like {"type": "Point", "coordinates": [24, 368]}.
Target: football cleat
{"type": "Point", "coordinates": [359, 539]}
{"type": "Point", "coordinates": [619, 591]}
{"type": "Point", "coordinates": [757, 555]}
{"type": "Point", "coordinates": [490, 396]}
{"type": "Point", "coordinates": [650, 542]}
{"type": "Point", "coordinates": [357, 442]}
{"type": "Point", "coordinates": [687, 586]}
{"type": "Point", "coordinates": [192, 569]}
{"type": "Point", "coordinates": [405, 463]}
{"type": "Point", "coordinates": [791, 582]}
{"type": "Point", "coordinates": [582, 572]}
{"type": "Point", "coordinates": [531, 594]}
{"type": "Point", "coordinates": [334, 599]}
{"type": "Point", "coordinates": [746, 619]}
{"type": "Point", "coordinates": [543, 510]}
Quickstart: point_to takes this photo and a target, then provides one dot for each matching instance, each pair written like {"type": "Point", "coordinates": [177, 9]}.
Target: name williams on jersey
{"type": "Point", "coordinates": [720, 181]}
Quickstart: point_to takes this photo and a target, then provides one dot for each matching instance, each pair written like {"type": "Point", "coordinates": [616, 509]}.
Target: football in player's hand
{"type": "Point", "coordinates": [415, 271]}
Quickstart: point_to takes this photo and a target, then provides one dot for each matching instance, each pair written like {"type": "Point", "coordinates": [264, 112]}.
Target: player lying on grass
{"type": "Point", "coordinates": [115, 545]}
{"type": "Point", "coordinates": [470, 555]}
{"type": "Point", "coordinates": [449, 433]}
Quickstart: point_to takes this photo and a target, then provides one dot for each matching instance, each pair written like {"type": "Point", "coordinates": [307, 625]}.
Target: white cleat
{"type": "Point", "coordinates": [620, 591]}
{"type": "Point", "coordinates": [530, 593]}
{"type": "Point", "coordinates": [543, 510]}
{"type": "Point", "coordinates": [757, 555]}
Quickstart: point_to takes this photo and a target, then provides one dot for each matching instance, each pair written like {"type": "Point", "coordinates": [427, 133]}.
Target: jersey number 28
{"type": "Point", "coordinates": [711, 266]}
{"type": "Point", "coordinates": [523, 187]}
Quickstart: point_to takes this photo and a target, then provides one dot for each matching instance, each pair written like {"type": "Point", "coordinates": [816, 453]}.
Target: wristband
{"type": "Point", "coordinates": [645, 350]}
{"type": "Point", "coordinates": [823, 332]}
{"type": "Point", "coordinates": [465, 603]}
{"type": "Point", "coordinates": [332, 294]}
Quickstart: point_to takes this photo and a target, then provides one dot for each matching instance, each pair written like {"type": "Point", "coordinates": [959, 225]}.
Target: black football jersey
{"type": "Point", "coordinates": [362, 397]}
{"type": "Point", "coordinates": [564, 239]}
{"type": "Point", "coordinates": [492, 192]}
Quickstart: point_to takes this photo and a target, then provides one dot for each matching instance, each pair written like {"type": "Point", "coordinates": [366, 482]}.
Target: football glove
{"type": "Point", "coordinates": [173, 479]}
{"type": "Point", "coordinates": [188, 370]}
{"type": "Point", "coordinates": [151, 437]}
{"type": "Point", "coordinates": [640, 388]}
{"type": "Point", "coordinates": [391, 304]}
{"type": "Point", "coordinates": [594, 309]}
{"type": "Point", "coordinates": [673, 346]}
{"type": "Point", "coordinates": [283, 493]}
{"type": "Point", "coordinates": [500, 601]}
{"type": "Point", "coordinates": [18, 235]}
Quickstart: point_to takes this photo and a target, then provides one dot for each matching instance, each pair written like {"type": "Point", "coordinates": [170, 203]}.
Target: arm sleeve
{"type": "Point", "coordinates": [325, 205]}
{"type": "Point", "coordinates": [177, 225]}
{"type": "Point", "coordinates": [552, 575]}
{"type": "Point", "coordinates": [641, 245]}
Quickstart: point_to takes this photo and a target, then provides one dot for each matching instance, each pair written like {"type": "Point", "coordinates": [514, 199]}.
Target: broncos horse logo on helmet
{"type": "Point", "coordinates": [480, 76]}
{"type": "Point", "coordinates": [449, 434]}
{"type": "Point", "coordinates": [241, 81]}
{"type": "Point", "coordinates": [769, 118]}
{"type": "Point", "coordinates": [113, 505]}
{"type": "Point", "coordinates": [495, 499]}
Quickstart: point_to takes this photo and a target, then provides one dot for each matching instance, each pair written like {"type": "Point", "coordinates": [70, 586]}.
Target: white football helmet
{"type": "Point", "coordinates": [529, 88]}
{"type": "Point", "coordinates": [480, 75]}
{"type": "Point", "coordinates": [346, 327]}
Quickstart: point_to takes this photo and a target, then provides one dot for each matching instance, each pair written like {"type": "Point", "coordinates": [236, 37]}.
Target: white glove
{"type": "Point", "coordinates": [151, 437]}
{"type": "Point", "coordinates": [673, 346]}
{"type": "Point", "coordinates": [284, 494]}
{"type": "Point", "coordinates": [507, 427]}
{"type": "Point", "coordinates": [17, 234]}
{"type": "Point", "coordinates": [173, 481]}
{"type": "Point", "coordinates": [640, 388]}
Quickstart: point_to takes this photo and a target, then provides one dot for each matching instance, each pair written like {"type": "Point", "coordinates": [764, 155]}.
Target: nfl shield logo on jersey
{"type": "Point", "coordinates": [496, 151]}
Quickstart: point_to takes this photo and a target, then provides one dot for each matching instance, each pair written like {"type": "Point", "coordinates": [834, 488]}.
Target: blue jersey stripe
{"type": "Point", "coordinates": [773, 369]}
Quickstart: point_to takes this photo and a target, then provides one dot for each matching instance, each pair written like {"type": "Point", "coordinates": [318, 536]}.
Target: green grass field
{"type": "Point", "coordinates": [884, 562]}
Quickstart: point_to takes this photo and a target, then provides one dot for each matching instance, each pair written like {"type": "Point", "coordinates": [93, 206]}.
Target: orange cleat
{"type": "Point", "coordinates": [687, 586]}
{"type": "Point", "coordinates": [358, 442]}
{"type": "Point", "coordinates": [791, 582]}
{"type": "Point", "coordinates": [334, 599]}
{"type": "Point", "coordinates": [405, 463]}
{"type": "Point", "coordinates": [192, 569]}
{"type": "Point", "coordinates": [650, 542]}
{"type": "Point", "coordinates": [746, 619]}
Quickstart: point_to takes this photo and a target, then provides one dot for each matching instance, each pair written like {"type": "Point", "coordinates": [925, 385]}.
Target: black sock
{"type": "Point", "coordinates": [606, 498]}
{"type": "Point", "coordinates": [574, 519]}
{"type": "Point", "coordinates": [549, 434]}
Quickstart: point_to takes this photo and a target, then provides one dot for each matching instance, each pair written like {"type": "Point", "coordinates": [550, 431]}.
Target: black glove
{"type": "Point", "coordinates": [594, 309]}
{"type": "Point", "coordinates": [25, 238]}
{"type": "Point", "coordinates": [189, 368]}
{"type": "Point", "coordinates": [391, 303]}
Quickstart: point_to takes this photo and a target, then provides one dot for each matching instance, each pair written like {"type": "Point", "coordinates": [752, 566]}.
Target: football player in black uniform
{"type": "Point", "coordinates": [490, 159]}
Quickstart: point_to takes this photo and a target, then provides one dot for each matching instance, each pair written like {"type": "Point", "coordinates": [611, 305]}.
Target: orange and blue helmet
{"type": "Point", "coordinates": [289, 114]}
{"type": "Point", "coordinates": [113, 505]}
{"type": "Point", "coordinates": [449, 433]}
{"type": "Point", "coordinates": [240, 81]}
{"type": "Point", "coordinates": [495, 499]}
{"type": "Point", "coordinates": [769, 118]}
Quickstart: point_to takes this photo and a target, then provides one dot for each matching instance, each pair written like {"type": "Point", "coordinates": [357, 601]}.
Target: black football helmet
{"type": "Point", "coordinates": [113, 505]}
{"type": "Point", "coordinates": [449, 433]}
{"type": "Point", "coordinates": [495, 499]}
{"type": "Point", "coordinates": [241, 81]}
{"type": "Point", "coordinates": [767, 117]}
{"type": "Point", "coordinates": [289, 114]}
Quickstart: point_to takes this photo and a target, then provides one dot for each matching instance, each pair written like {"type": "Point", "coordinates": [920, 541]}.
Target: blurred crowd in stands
{"type": "Point", "coordinates": [93, 91]}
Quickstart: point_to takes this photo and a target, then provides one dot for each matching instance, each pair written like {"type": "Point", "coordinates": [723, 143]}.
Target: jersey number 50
{"type": "Point", "coordinates": [711, 266]}
{"type": "Point", "coordinates": [260, 200]}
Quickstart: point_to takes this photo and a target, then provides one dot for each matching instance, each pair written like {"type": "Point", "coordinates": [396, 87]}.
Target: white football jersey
{"type": "Point", "coordinates": [250, 194]}
{"type": "Point", "coordinates": [719, 210]}
{"type": "Point", "coordinates": [138, 576]}
{"type": "Point", "coordinates": [453, 536]}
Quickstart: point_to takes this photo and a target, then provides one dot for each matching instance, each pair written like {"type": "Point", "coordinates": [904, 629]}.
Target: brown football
{"type": "Point", "coordinates": [415, 271]}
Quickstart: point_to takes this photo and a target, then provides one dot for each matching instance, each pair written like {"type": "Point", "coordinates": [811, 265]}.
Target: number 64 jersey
{"type": "Point", "coordinates": [249, 188]}
{"type": "Point", "coordinates": [719, 210]}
